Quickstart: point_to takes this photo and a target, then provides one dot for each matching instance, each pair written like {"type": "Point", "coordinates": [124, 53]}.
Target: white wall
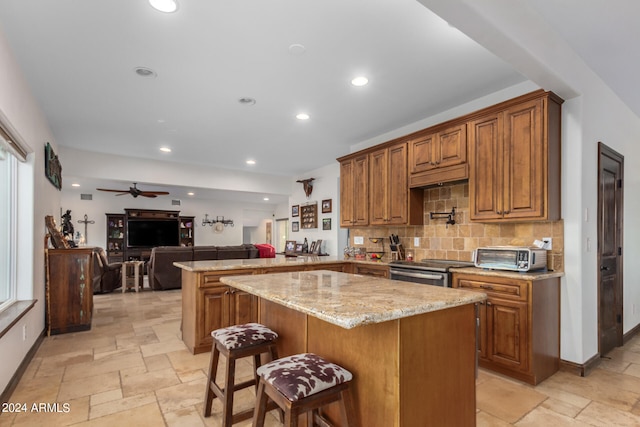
{"type": "Point", "coordinates": [104, 203]}
{"type": "Point", "coordinates": [36, 198]}
{"type": "Point", "coordinates": [324, 187]}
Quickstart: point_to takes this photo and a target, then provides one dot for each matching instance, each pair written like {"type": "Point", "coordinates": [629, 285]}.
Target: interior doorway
{"type": "Point", "coordinates": [610, 223]}
{"type": "Point", "coordinates": [281, 234]}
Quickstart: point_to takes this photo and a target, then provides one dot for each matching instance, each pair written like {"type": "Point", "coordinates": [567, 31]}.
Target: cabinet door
{"type": "Point", "coordinates": [360, 190]}
{"type": "Point", "coordinates": [422, 153]}
{"type": "Point", "coordinates": [524, 153]}
{"type": "Point", "coordinates": [451, 147]}
{"type": "Point", "coordinates": [216, 312]}
{"type": "Point", "coordinates": [507, 333]}
{"type": "Point", "coordinates": [346, 193]}
{"type": "Point", "coordinates": [354, 191]}
{"type": "Point", "coordinates": [486, 168]}
{"type": "Point", "coordinates": [397, 185]}
{"type": "Point", "coordinates": [244, 308]}
{"type": "Point", "coordinates": [378, 187]}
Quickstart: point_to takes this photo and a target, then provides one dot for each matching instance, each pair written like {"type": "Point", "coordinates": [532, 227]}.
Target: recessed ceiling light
{"type": "Point", "coordinates": [190, 193]}
{"type": "Point", "coordinates": [247, 101]}
{"type": "Point", "coordinates": [251, 162]}
{"type": "Point", "coordinates": [266, 199]}
{"type": "Point", "coordinates": [167, 6]}
{"type": "Point", "coordinates": [302, 116]}
{"type": "Point", "coordinates": [165, 149]}
{"type": "Point", "coordinates": [360, 81]}
{"type": "Point", "coordinates": [75, 185]}
{"type": "Point", "coordinates": [145, 72]}
{"type": "Point", "coordinates": [297, 49]}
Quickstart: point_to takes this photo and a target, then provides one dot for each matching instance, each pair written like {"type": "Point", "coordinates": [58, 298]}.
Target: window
{"type": "Point", "coordinates": [8, 185]}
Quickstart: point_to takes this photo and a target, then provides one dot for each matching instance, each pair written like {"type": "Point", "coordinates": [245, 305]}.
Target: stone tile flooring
{"type": "Point", "coordinates": [132, 368]}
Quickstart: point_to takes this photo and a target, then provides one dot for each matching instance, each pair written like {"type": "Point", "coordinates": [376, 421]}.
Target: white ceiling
{"type": "Point", "coordinates": [79, 58]}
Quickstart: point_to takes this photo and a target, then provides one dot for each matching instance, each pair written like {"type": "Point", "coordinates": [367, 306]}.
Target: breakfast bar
{"type": "Point", "coordinates": [410, 347]}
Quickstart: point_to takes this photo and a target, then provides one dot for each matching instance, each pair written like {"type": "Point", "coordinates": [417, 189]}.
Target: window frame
{"type": "Point", "coordinates": [12, 244]}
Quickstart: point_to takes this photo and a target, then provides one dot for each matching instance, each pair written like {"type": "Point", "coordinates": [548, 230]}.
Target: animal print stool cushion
{"type": "Point", "coordinates": [302, 375]}
{"type": "Point", "coordinates": [241, 336]}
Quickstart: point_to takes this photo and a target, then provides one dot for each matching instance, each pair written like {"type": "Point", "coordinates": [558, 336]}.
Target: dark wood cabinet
{"type": "Point", "coordinates": [519, 332]}
{"type": "Point", "coordinates": [354, 191]}
{"type": "Point", "coordinates": [381, 270]}
{"type": "Point", "coordinates": [187, 230]}
{"type": "Point", "coordinates": [438, 156]}
{"type": "Point", "coordinates": [115, 237]}
{"type": "Point", "coordinates": [515, 161]}
{"type": "Point", "coordinates": [69, 291]}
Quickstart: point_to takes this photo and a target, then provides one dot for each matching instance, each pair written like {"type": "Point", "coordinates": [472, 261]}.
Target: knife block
{"type": "Point", "coordinates": [397, 252]}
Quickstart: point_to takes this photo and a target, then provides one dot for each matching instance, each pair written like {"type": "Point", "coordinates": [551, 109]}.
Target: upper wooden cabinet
{"type": "Point", "coordinates": [437, 157]}
{"type": "Point", "coordinates": [390, 200]}
{"type": "Point", "coordinates": [354, 191]}
{"type": "Point", "coordinates": [514, 157]}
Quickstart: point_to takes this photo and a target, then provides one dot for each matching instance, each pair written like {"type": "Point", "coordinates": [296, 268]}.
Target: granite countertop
{"type": "Point", "coordinates": [350, 300]}
{"type": "Point", "coordinates": [278, 261]}
{"type": "Point", "coordinates": [533, 275]}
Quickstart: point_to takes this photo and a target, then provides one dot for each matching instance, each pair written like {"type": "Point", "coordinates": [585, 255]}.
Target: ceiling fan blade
{"type": "Point", "coordinates": [157, 193]}
{"type": "Point", "coordinates": [145, 194]}
{"type": "Point", "coordinates": [113, 191]}
{"type": "Point", "coordinates": [122, 194]}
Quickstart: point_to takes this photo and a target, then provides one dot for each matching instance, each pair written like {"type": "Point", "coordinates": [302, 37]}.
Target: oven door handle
{"type": "Point", "coordinates": [417, 275]}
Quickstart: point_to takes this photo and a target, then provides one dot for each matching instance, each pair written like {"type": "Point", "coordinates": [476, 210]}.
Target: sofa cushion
{"type": "Point", "coordinates": [202, 253]}
{"type": "Point", "coordinates": [162, 273]}
{"type": "Point", "coordinates": [232, 252]}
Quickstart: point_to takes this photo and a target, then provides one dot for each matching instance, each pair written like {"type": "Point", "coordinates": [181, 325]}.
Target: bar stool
{"type": "Point", "coordinates": [236, 342]}
{"type": "Point", "coordinates": [302, 383]}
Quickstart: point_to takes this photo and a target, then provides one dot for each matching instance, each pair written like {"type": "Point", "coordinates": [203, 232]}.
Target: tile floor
{"type": "Point", "coordinates": [132, 368]}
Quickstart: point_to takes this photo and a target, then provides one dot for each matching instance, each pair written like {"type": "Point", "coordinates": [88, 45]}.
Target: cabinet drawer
{"type": "Point", "coordinates": [514, 290]}
{"type": "Point", "coordinates": [213, 278]}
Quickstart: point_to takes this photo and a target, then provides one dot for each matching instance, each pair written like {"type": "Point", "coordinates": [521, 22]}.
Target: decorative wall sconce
{"type": "Point", "coordinates": [218, 220]}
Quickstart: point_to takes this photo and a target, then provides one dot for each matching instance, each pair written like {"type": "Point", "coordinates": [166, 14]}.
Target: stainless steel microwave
{"type": "Point", "coordinates": [513, 258]}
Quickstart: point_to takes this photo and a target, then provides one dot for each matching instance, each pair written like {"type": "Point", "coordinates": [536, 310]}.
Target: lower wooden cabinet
{"type": "Point", "coordinates": [225, 306]}
{"type": "Point", "coordinates": [519, 328]}
{"type": "Point", "coordinates": [370, 270]}
{"type": "Point", "coordinates": [69, 290]}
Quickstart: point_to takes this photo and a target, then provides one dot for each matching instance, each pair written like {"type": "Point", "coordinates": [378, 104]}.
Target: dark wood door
{"type": "Point", "coordinates": [244, 309]}
{"type": "Point", "coordinates": [610, 284]}
{"type": "Point", "coordinates": [216, 312]}
{"type": "Point", "coordinates": [451, 146]}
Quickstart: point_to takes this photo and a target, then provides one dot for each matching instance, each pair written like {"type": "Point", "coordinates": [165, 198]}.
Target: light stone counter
{"type": "Point", "coordinates": [278, 261]}
{"type": "Point", "coordinates": [534, 275]}
{"type": "Point", "coordinates": [349, 300]}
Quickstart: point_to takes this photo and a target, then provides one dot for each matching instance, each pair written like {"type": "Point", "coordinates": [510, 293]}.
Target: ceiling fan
{"type": "Point", "coordinates": [135, 192]}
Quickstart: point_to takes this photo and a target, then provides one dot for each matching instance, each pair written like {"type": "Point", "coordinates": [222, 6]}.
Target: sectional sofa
{"type": "Point", "coordinates": [164, 275]}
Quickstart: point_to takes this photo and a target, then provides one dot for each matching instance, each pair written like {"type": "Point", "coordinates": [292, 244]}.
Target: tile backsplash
{"type": "Point", "coordinates": [441, 241]}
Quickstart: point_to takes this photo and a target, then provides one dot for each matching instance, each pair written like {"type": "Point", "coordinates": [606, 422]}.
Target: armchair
{"type": "Point", "coordinates": [107, 277]}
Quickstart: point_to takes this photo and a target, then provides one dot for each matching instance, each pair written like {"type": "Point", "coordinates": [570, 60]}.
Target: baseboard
{"type": "Point", "coordinates": [626, 337]}
{"type": "Point", "coordinates": [6, 394]}
{"type": "Point", "coordinates": [580, 369]}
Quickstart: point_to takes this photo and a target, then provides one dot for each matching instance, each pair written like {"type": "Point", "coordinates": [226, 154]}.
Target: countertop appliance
{"type": "Point", "coordinates": [512, 258]}
{"type": "Point", "coordinates": [427, 271]}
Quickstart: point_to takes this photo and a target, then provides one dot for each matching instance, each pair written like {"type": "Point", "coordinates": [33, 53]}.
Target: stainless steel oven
{"type": "Point", "coordinates": [427, 271]}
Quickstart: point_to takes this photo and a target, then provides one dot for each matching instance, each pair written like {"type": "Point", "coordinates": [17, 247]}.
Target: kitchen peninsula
{"type": "Point", "coordinates": [410, 347]}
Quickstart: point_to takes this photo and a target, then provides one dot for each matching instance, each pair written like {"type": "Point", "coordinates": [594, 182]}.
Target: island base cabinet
{"type": "Point", "coordinates": [410, 372]}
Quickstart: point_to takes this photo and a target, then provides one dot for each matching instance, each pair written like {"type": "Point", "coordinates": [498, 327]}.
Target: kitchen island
{"type": "Point", "coordinates": [410, 347]}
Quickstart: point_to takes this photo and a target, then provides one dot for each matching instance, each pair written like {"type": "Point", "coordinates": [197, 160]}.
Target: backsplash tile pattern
{"type": "Point", "coordinates": [441, 241]}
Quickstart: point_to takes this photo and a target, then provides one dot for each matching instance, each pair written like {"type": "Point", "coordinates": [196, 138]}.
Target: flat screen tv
{"type": "Point", "coordinates": [143, 233]}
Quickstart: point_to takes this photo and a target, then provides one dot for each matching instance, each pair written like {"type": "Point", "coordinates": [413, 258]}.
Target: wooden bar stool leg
{"type": "Point", "coordinates": [261, 406]}
{"type": "Point", "coordinates": [228, 392]}
{"type": "Point", "coordinates": [347, 409]}
{"type": "Point", "coordinates": [213, 370]}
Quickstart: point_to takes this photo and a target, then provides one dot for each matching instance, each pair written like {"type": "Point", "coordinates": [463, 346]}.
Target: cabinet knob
{"type": "Point", "coordinates": [499, 212]}
{"type": "Point", "coordinates": [489, 303]}
{"type": "Point", "coordinates": [437, 162]}
{"type": "Point", "coordinates": [506, 212]}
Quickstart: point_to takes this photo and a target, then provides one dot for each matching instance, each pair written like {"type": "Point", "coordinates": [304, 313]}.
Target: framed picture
{"type": "Point", "coordinates": [295, 210]}
{"type": "Point", "coordinates": [290, 246]}
{"type": "Point", "coordinates": [326, 223]}
{"type": "Point", "coordinates": [318, 247]}
{"type": "Point", "coordinates": [52, 167]}
{"type": "Point", "coordinates": [298, 247]}
{"type": "Point", "coordinates": [326, 206]}
{"type": "Point", "coordinates": [312, 247]}
{"type": "Point", "coordinates": [295, 226]}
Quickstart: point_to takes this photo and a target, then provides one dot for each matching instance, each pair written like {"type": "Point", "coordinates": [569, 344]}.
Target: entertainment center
{"type": "Point", "coordinates": [132, 235]}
